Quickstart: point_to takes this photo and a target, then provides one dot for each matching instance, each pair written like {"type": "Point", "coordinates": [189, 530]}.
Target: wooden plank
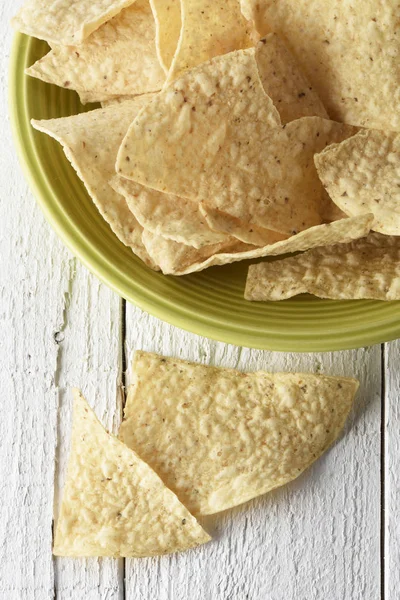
{"type": "Point", "coordinates": [34, 275]}
{"type": "Point", "coordinates": [90, 358]}
{"type": "Point", "coordinates": [33, 268]}
{"type": "Point", "coordinates": [391, 515]}
{"type": "Point", "coordinates": [318, 537]}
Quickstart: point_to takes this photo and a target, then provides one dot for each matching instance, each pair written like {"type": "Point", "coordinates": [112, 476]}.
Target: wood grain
{"type": "Point", "coordinates": [318, 537]}
{"type": "Point", "coordinates": [33, 282]}
{"type": "Point", "coordinates": [391, 472]}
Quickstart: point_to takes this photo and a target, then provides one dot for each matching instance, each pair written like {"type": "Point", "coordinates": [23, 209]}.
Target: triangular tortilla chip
{"type": "Point", "coordinates": [119, 58]}
{"type": "Point", "coordinates": [113, 503]}
{"type": "Point", "coordinates": [209, 28]}
{"type": "Point", "coordinates": [348, 50]}
{"type": "Point", "coordinates": [217, 123]}
{"type": "Point", "coordinates": [219, 437]}
{"type": "Point", "coordinates": [66, 22]}
{"type": "Point", "coordinates": [362, 175]}
{"type": "Point", "coordinates": [167, 16]}
{"type": "Point", "coordinates": [175, 259]}
{"type": "Point", "coordinates": [284, 82]}
{"type": "Point", "coordinates": [174, 218]}
{"type": "Point", "coordinates": [367, 268]}
{"type": "Point", "coordinates": [90, 141]}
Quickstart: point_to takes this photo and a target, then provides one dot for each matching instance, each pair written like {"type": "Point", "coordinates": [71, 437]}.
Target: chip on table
{"type": "Point", "coordinates": [113, 503]}
{"type": "Point", "coordinates": [219, 437]}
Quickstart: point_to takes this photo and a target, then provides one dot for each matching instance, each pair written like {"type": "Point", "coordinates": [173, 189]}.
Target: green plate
{"type": "Point", "coordinates": [210, 303]}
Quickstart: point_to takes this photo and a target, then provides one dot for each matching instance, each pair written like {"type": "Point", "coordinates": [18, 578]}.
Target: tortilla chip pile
{"type": "Point", "coordinates": [214, 145]}
{"type": "Point", "coordinates": [195, 440]}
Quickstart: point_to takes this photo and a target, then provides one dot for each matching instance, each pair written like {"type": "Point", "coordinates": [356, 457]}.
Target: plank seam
{"type": "Point", "coordinates": [58, 339]}
{"type": "Point", "coordinates": [383, 469]}
{"type": "Point", "coordinates": [124, 366]}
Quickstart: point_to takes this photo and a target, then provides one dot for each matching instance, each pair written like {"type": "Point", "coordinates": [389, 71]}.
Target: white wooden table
{"type": "Point", "coordinates": [331, 535]}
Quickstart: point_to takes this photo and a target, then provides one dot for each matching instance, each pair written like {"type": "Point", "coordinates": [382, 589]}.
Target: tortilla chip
{"type": "Point", "coordinates": [368, 268]}
{"type": "Point", "coordinates": [198, 122]}
{"type": "Point", "coordinates": [65, 22]}
{"type": "Point", "coordinates": [200, 103]}
{"type": "Point", "coordinates": [219, 437]}
{"type": "Point", "coordinates": [176, 257]}
{"type": "Point", "coordinates": [209, 28]}
{"type": "Point", "coordinates": [90, 141]}
{"type": "Point", "coordinates": [119, 59]}
{"type": "Point", "coordinates": [167, 16]}
{"type": "Point", "coordinates": [284, 82]}
{"type": "Point", "coordinates": [279, 188]}
{"type": "Point", "coordinates": [348, 50]}
{"type": "Point", "coordinates": [174, 218]}
{"type": "Point", "coordinates": [220, 221]}
{"type": "Point", "coordinates": [338, 232]}
{"type": "Point", "coordinates": [362, 175]}
{"type": "Point", "coordinates": [113, 503]}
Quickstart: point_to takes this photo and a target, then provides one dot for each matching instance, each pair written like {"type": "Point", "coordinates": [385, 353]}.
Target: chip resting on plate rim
{"type": "Point", "coordinates": [118, 59]}
{"type": "Point", "coordinates": [68, 22]}
{"type": "Point", "coordinates": [90, 141]}
{"type": "Point", "coordinates": [367, 268]}
{"type": "Point", "coordinates": [167, 255]}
